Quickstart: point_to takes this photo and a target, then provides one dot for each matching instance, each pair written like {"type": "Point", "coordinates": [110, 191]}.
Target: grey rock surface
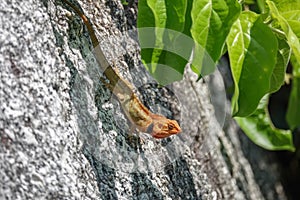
{"type": "Point", "coordinates": [63, 136]}
{"type": "Point", "coordinates": [40, 154]}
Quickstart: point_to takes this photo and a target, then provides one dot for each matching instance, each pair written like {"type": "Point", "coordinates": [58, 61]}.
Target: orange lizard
{"type": "Point", "coordinates": [140, 116]}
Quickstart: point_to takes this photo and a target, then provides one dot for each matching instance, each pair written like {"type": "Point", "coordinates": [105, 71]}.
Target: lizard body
{"type": "Point", "coordinates": [138, 114]}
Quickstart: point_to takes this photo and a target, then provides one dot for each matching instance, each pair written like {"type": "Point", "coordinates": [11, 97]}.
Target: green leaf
{"type": "Point", "coordinates": [291, 37]}
{"type": "Point", "coordinates": [177, 44]}
{"type": "Point", "coordinates": [165, 51]}
{"type": "Point", "coordinates": [252, 49]}
{"type": "Point", "coordinates": [290, 11]}
{"type": "Point", "coordinates": [212, 20]}
{"type": "Point", "coordinates": [152, 13]}
{"type": "Point", "coordinates": [249, 2]}
{"type": "Point", "coordinates": [176, 14]}
{"type": "Point", "coordinates": [261, 5]}
{"type": "Point", "coordinates": [259, 128]}
{"type": "Point", "coordinates": [293, 19]}
{"type": "Point", "coordinates": [286, 5]}
{"type": "Point", "coordinates": [146, 19]}
{"type": "Point", "coordinates": [293, 111]}
{"type": "Point", "coordinates": [283, 57]}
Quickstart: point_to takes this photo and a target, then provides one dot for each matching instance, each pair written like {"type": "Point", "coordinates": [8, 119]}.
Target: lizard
{"type": "Point", "coordinates": [158, 126]}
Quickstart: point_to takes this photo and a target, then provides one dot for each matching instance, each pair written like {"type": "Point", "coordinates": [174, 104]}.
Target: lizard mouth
{"type": "Point", "coordinates": [159, 136]}
{"type": "Point", "coordinates": [162, 135]}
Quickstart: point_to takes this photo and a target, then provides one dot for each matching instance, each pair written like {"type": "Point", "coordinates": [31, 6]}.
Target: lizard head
{"type": "Point", "coordinates": [162, 127]}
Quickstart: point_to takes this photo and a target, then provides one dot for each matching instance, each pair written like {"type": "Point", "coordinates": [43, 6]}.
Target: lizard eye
{"type": "Point", "coordinates": [170, 126]}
